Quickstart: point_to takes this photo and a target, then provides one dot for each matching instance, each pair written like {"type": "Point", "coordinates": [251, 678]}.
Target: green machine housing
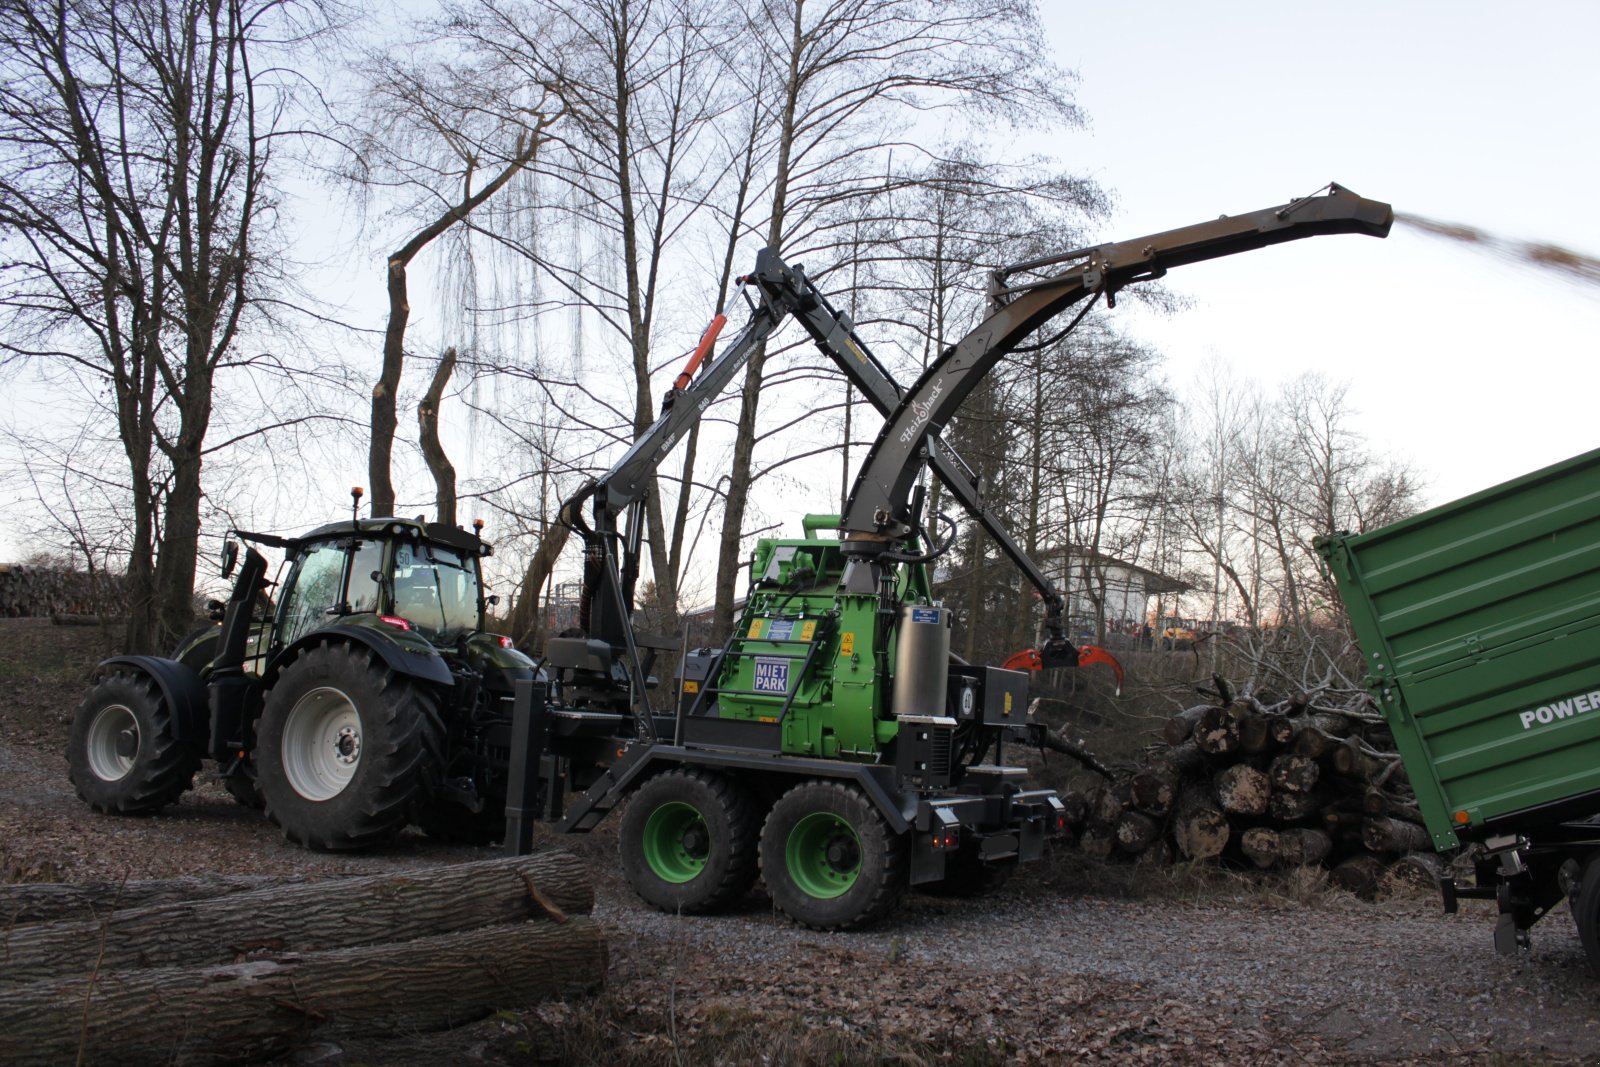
{"type": "Point", "coordinates": [1479, 621]}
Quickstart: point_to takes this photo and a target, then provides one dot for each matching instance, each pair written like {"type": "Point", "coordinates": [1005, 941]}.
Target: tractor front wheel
{"type": "Point", "coordinates": [341, 755]}
{"type": "Point", "coordinates": [688, 842]}
{"type": "Point", "coordinates": [829, 859]}
{"type": "Point", "coordinates": [123, 756]}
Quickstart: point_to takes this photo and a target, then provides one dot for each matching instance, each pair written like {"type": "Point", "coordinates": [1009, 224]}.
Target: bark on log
{"type": "Point", "coordinates": [1286, 807]}
{"type": "Point", "coordinates": [253, 1010]}
{"type": "Point", "coordinates": [34, 902]}
{"type": "Point", "coordinates": [1411, 874]}
{"type": "Point", "coordinates": [1179, 727]}
{"type": "Point", "coordinates": [1394, 836]}
{"type": "Point", "coordinates": [1303, 846]}
{"type": "Point", "coordinates": [1157, 855]}
{"type": "Point", "coordinates": [1154, 792]}
{"type": "Point", "coordinates": [310, 916]}
{"type": "Point", "coordinates": [1380, 803]}
{"type": "Point", "coordinates": [1359, 874]}
{"type": "Point", "coordinates": [1312, 743]}
{"type": "Point", "coordinates": [1099, 839]}
{"type": "Point", "coordinates": [1136, 832]}
{"type": "Point", "coordinates": [1183, 760]}
{"type": "Point", "coordinates": [1243, 790]}
{"type": "Point", "coordinates": [1253, 733]}
{"type": "Point", "coordinates": [1350, 757]}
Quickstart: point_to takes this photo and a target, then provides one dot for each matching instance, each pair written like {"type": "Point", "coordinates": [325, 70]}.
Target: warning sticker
{"type": "Point", "coordinates": [808, 631]}
{"type": "Point", "coordinates": [772, 675]}
{"type": "Point", "coordinates": [847, 643]}
{"type": "Point", "coordinates": [755, 629]}
{"type": "Point", "coordinates": [925, 615]}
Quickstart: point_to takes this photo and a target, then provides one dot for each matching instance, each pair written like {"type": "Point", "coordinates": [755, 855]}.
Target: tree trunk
{"type": "Point", "coordinates": [257, 1009]}
{"type": "Point", "coordinates": [1394, 836]}
{"type": "Point", "coordinates": [40, 902]}
{"type": "Point", "coordinates": [305, 917]}
{"type": "Point", "coordinates": [444, 473]}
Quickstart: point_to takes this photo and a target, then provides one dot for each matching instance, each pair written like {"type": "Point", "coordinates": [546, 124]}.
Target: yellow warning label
{"type": "Point", "coordinates": [691, 687]}
{"type": "Point", "coordinates": [847, 644]}
{"type": "Point", "coordinates": [765, 718]}
{"type": "Point", "coordinates": [755, 629]}
{"type": "Point", "coordinates": [808, 630]}
{"type": "Point", "coordinates": [1007, 710]}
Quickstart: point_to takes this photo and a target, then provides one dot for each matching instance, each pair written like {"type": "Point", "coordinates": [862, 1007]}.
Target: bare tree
{"type": "Point", "coordinates": [443, 138]}
{"type": "Point", "coordinates": [136, 143]}
{"type": "Point", "coordinates": [844, 77]}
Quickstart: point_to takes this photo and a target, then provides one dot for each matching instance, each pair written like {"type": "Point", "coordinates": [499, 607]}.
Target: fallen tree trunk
{"type": "Point", "coordinates": [248, 1011]}
{"type": "Point", "coordinates": [302, 917]}
{"type": "Point", "coordinates": [36, 902]}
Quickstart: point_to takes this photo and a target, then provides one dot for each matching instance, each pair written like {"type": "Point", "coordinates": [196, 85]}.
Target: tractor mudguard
{"type": "Point", "coordinates": [181, 687]}
{"type": "Point", "coordinates": [639, 763]}
{"type": "Point", "coordinates": [423, 663]}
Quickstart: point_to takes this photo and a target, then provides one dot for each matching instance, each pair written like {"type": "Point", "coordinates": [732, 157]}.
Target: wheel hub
{"type": "Point", "coordinates": [321, 743]}
{"type": "Point", "coordinates": [843, 854]}
{"type": "Point", "coordinates": [128, 743]}
{"type": "Point", "coordinates": [112, 744]}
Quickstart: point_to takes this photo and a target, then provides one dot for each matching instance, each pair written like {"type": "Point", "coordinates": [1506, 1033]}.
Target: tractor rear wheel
{"type": "Point", "coordinates": [830, 860]}
{"type": "Point", "coordinates": [1586, 911]}
{"type": "Point", "coordinates": [123, 756]}
{"type": "Point", "coordinates": [341, 757]}
{"type": "Point", "coordinates": [688, 841]}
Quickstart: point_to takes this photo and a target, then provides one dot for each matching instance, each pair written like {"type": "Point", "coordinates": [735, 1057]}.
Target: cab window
{"type": "Point", "coordinates": [314, 592]}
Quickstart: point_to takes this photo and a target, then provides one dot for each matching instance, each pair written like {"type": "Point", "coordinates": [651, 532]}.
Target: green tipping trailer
{"type": "Point", "coordinates": [1480, 625]}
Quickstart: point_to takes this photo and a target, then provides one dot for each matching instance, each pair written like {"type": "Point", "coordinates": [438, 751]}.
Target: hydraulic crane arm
{"type": "Point", "coordinates": [876, 513]}
{"type": "Point", "coordinates": [783, 291]}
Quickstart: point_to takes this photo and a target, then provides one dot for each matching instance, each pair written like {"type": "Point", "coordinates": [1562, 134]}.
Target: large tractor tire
{"type": "Point", "coordinates": [688, 842]}
{"type": "Point", "coordinates": [341, 754]}
{"type": "Point", "coordinates": [829, 858]}
{"type": "Point", "coordinates": [123, 756]}
{"type": "Point", "coordinates": [1586, 911]}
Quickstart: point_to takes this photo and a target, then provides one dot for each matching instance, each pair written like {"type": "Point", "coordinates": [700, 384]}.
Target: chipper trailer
{"type": "Point", "coordinates": [832, 745]}
{"type": "Point", "coordinates": [1480, 626]}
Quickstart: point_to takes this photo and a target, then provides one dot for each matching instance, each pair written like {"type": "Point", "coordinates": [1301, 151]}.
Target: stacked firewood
{"type": "Point", "coordinates": [1293, 783]}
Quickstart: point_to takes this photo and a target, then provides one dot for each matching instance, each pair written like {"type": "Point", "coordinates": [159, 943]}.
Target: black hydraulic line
{"type": "Point", "coordinates": [875, 514]}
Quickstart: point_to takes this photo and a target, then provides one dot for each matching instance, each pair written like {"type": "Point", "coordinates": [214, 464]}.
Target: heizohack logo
{"type": "Point", "coordinates": [1544, 714]}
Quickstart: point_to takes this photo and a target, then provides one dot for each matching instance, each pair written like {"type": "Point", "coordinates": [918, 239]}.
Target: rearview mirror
{"type": "Point", "coordinates": [230, 557]}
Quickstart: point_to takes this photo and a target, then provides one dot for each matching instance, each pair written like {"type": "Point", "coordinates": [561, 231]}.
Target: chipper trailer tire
{"type": "Point", "coordinates": [829, 859]}
{"type": "Point", "coordinates": [688, 841]}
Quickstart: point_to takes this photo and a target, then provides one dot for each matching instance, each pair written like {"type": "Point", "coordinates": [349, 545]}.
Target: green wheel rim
{"type": "Point", "coordinates": [676, 842]}
{"type": "Point", "coordinates": [824, 855]}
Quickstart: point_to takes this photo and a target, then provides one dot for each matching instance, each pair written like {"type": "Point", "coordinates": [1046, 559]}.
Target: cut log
{"type": "Point", "coordinates": [1183, 760]}
{"type": "Point", "coordinates": [1075, 805]}
{"type": "Point", "coordinates": [1294, 774]}
{"type": "Point", "coordinates": [1359, 874]}
{"type": "Point", "coordinates": [1243, 790]}
{"type": "Point", "coordinates": [1260, 846]}
{"type": "Point", "coordinates": [1217, 731]}
{"type": "Point", "coordinates": [1099, 839]}
{"type": "Point", "coordinates": [304, 917]}
{"type": "Point", "coordinates": [1157, 855]}
{"type": "Point", "coordinates": [33, 902]}
{"type": "Point", "coordinates": [1179, 727]}
{"type": "Point", "coordinates": [1199, 828]}
{"type": "Point", "coordinates": [1412, 874]}
{"type": "Point", "coordinates": [1303, 846]}
{"type": "Point", "coordinates": [1381, 803]}
{"type": "Point", "coordinates": [1350, 757]}
{"type": "Point", "coordinates": [1154, 792]}
{"type": "Point", "coordinates": [1394, 836]}
{"type": "Point", "coordinates": [257, 1009]}
{"type": "Point", "coordinates": [1136, 832]}
{"type": "Point", "coordinates": [1280, 731]}
{"type": "Point", "coordinates": [1311, 742]}
{"type": "Point", "coordinates": [1286, 807]}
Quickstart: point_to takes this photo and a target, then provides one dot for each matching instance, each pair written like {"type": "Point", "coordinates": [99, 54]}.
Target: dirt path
{"type": "Point", "coordinates": [1037, 973]}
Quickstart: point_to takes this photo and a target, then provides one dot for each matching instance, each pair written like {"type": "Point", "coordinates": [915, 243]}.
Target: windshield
{"type": "Point", "coordinates": [435, 590]}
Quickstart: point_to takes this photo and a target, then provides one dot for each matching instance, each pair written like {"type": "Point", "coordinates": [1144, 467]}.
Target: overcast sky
{"type": "Point", "coordinates": [1483, 114]}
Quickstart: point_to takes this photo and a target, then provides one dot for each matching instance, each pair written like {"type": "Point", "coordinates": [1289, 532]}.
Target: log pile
{"type": "Point", "coordinates": [222, 971]}
{"type": "Point", "coordinates": [36, 592]}
{"type": "Point", "coordinates": [1267, 786]}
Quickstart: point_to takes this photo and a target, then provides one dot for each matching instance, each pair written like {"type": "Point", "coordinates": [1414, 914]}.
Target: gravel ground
{"type": "Point", "coordinates": [1056, 967]}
